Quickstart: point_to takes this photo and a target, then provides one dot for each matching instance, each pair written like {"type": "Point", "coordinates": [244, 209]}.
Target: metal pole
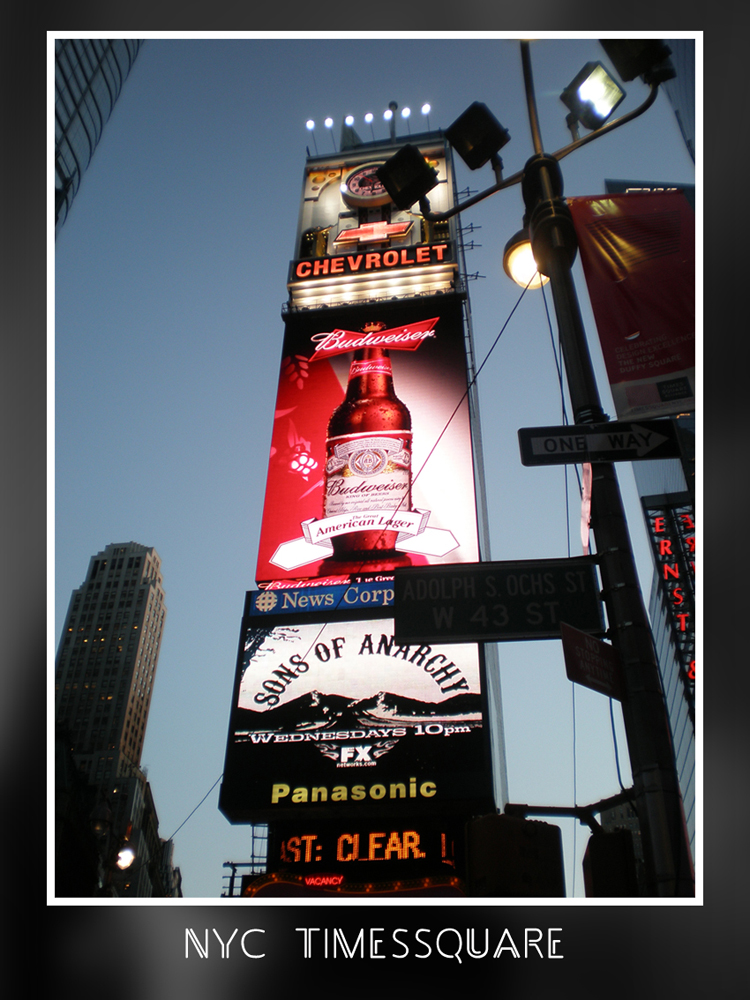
{"type": "Point", "coordinates": [669, 869]}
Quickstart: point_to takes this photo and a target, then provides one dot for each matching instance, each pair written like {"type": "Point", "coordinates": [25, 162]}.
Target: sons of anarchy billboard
{"type": "Point", "coordinates": [336, 717]}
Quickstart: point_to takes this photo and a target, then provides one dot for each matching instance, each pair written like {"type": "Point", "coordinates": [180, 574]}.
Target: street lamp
{"type": "Point", "coordinates": [125, 858]}
{"type": "Point", "coordinates": [669, 870]}
{"type": "Point", "coordinates": [519, 263]}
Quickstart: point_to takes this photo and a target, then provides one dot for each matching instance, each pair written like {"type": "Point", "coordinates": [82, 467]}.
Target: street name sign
{"type": "Point", "coordinates": [496, 601]}
{"type": "Point", "coordinates": [591, 662]}
{"type": "Point", "coordinates": [618, 441]}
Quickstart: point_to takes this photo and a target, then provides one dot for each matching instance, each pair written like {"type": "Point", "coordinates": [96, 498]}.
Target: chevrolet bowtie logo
{"type": "Point", "coordinates": [373, 232]}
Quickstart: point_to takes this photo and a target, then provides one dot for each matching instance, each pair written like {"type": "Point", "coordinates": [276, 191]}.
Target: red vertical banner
{"type": "Point", "coordinates": [638, 256]}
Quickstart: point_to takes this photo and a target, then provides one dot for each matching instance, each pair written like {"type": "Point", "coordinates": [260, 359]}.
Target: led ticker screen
{"type": "Point", "coordinates": [340, 503]}
{"type": "Point", "coordinates": [341, 853]}
{"type": "Point", "coordinates": [337, 718]}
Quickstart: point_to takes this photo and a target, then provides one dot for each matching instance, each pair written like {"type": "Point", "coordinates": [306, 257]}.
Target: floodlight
{"type": "Point", "coordinates": [477, 135]}
{"type": "Point", "coordinates": [407, 176]}
{"type": "Point", "coordinates": [592, 95]}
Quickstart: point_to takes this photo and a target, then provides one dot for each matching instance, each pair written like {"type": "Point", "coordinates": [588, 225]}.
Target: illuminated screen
{"type": "Point", "coordinates": [342, 501]}
{"type": "Point", "coordinates": [349, 852]}
{"type": "Point", "coordinates": [339, 718]}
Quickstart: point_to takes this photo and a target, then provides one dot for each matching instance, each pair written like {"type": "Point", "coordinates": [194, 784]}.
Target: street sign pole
{"type": "Point", "coordinates": [669, 869]}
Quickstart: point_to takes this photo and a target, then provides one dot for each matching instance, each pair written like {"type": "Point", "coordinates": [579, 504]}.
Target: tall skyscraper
{"type": "Point", "coordinates": [104, 678]}
{"type": "Point", "coordinates": [107, 659]}
{"type": "Point", "coordinates": [89, 75]}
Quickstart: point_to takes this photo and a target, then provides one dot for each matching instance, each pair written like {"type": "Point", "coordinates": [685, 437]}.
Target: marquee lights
{"type": "Point", "coordinates": [369, 117]}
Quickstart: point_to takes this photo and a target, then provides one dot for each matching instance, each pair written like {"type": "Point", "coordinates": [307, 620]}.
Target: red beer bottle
{"type": "Point", "coordinates": [368, 465]}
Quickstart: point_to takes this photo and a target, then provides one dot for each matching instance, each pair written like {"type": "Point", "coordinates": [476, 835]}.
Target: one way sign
{"type": "Point", "coordinates": [611, 442]}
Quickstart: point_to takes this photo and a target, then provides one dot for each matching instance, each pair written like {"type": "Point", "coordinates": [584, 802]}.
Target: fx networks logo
{"type": "Point", "coordinates": [359, 755]}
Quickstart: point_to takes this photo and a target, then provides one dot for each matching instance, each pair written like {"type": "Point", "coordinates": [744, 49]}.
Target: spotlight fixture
{"type": "Point", "coordinates": [592, 96]}
{"type": "Point", "coordinates": [407, 176]}
{"type": "Point", "coordinates": [477, 135]}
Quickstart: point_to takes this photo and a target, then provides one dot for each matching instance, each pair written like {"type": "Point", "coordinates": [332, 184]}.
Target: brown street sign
{"type": "Point", "coordinates": [496, 601]}
{"type": "Point", "coordinates": [591, 662]}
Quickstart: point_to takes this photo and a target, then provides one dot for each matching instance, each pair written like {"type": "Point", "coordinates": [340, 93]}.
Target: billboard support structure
{"type": "Point", "coordinates": [377, 310]}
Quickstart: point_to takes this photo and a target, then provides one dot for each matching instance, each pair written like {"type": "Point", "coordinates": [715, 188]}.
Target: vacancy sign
{"type": "Point", "coordinates": [591, 662]}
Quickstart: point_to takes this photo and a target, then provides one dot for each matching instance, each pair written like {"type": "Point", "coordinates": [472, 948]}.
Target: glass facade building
{"type": "Point", "coordinates": [89, 75]}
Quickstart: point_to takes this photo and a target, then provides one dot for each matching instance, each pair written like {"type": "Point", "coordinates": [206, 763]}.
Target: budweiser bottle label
{"type": "Point", "coordinates": [368, 463]}
{"type": "Point", "coordinates": [368, 472]}
{"type": "Point", "coordinates": [379, 366]}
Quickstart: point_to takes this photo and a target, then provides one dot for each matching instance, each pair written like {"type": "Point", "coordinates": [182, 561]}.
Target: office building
{"type": "Point", "coordinates": [667, 491]}
{"type": "Point", "coordinates": [104, 679]}
{"type": "Point", "coordinates": [89, 75]}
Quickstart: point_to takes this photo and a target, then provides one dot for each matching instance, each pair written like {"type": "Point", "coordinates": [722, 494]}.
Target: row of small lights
{"type": "Point", "coordinates": [368, 119]}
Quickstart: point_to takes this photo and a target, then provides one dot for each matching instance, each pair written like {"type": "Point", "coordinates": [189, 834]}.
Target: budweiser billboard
{"type": "Point", "coordinates": [371, 457]}
{"type": "Point", "coordinates": [331, 714]}
{"type": "Point", "coordinates": [638, 255]}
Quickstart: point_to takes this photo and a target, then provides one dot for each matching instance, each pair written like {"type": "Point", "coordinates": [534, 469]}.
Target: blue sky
{"type": "Point", "coordinates": [169, 280]}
